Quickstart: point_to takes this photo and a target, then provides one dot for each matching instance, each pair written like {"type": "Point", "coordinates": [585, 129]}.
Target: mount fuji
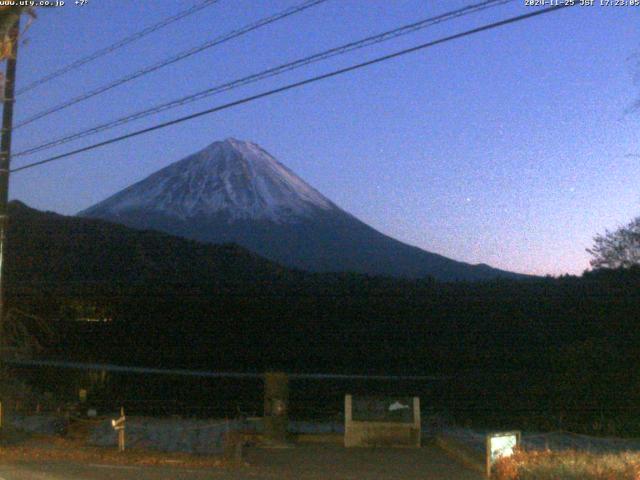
{"type": "Point", "coordinates": [234, 191]}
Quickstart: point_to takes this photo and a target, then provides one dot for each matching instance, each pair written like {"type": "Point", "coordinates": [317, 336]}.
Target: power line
{"type": "Point", "coordinates": [121, 43]}
{"type": "Point", "coordinates": [291, 86]}
{"type": "Point", "coordinates": [368, 41]}
{"type": "Point", "coordinates": [210, 374]}
{"type": "Point", "coordinates": [171, 60]}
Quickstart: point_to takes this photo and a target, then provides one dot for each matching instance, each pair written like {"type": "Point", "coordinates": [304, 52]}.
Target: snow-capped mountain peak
{"type": "Point", "coordinates": [234, 191]}
{"type": "Point", "coordinates": [232, 177]}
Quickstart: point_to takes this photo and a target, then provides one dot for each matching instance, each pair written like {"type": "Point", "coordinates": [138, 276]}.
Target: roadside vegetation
{"type": "Point", "coordinates": [567, 465]}
{"type": "Point", "coordinates": [20, 447]}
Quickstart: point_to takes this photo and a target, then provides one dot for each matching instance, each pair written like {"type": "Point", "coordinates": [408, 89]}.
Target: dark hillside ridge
{"type": "Point", "coordinates": [46, 248]}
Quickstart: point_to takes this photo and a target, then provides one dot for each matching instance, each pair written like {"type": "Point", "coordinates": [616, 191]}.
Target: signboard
{"type": "Point", "coordinates": [499, 445]}
{"type": "Point", "coordinates": [381, 421]}
{"type": "Point", "coordinates": [382, 409]}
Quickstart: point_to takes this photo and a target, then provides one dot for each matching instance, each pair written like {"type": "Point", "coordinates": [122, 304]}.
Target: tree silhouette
{"type": "Point", "coordinates": [617, 249]}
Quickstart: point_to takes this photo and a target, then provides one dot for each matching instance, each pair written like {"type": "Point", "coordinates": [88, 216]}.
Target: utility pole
{"type": "Point", "coordinates": [5, 160]}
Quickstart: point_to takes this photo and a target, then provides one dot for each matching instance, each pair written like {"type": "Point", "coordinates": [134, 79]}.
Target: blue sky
{"type": "Point", "coordinates": [511, 147]}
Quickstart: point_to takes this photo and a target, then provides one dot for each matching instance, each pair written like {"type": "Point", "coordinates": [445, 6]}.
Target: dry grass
{"type": "Point", "coordinates": [45, 448]}
{"type": "Point", "coordinates": [568, 465]}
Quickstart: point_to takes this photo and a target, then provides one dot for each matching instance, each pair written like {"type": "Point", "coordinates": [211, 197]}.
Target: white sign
{"type": "Point", "coordinates": [500, 445]}
{"type": "Point", "coordinates": [503, 445]}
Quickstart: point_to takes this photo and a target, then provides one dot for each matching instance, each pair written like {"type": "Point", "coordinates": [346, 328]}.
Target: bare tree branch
{"type": "Point", "coordinates": [617, 249]}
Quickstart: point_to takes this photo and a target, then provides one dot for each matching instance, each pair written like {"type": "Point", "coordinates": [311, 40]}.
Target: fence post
{"type": "Point", "coordinates": [118, 425]}
{"type": "Point", "coordinates": [488, 457]}
{"type": "Point", "coordinates": [121, 432]}
{"type": "Point", "coordinates": [276, 408]}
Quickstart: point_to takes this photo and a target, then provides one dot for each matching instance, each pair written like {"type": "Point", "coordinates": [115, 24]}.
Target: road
{"type": "Point", "coordinates": [304, 462]}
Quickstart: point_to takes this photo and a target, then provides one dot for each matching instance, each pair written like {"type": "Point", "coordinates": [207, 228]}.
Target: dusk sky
{"type": "Point", "coordinates": [512, 147]}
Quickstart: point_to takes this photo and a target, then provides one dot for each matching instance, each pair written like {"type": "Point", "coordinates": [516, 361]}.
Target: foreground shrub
{"type": "Point", "coordinates": [567, 465]}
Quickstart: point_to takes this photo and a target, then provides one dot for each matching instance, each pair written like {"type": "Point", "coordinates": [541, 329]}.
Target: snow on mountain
{"type": "Point", "coordinates": [234, 191]}
{"type": "Point", "coordinates": [233, 177]}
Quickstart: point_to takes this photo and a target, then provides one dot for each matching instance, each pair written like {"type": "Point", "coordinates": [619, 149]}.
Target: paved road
{"type": "Point", "coordinates": [304, 462]}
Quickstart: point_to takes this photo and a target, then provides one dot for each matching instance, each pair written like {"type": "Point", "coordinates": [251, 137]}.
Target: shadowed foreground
{"type": "Point", "coordinates": [305, 462]}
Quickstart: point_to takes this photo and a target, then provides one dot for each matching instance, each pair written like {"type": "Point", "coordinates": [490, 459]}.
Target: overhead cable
{"type": "Point", "coordinates": [119, 44]}
{"type": "Point", "coordinates": [294, 85]}
{"type": "Point", "coordinates": [271, 72]}
{"type": "Point", "coordinates": [169, 61]}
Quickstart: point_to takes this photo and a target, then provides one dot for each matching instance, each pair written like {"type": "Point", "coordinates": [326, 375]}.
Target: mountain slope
{"type": "Point", "coordinates": [56, 250]}
{"type": "Point", "coordinates": [237, 178]}
{"type": "Point", "coordinates": [234, 191]}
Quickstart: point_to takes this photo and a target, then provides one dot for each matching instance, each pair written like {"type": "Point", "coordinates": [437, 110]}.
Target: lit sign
{"type": "Point", "coordinates": [500, 445]}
